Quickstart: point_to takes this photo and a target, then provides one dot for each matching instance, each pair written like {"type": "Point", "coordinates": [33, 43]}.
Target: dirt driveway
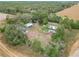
{"type": "Point", "coordinates": [75, 48]}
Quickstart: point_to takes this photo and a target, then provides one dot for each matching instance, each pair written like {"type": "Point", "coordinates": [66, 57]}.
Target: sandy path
{"type": "Point", "coordinates": [75, 48]}
{"type": "Point", "coordinates": [6, 51]}
{"type": "Point", "coordinates": [76, 53]}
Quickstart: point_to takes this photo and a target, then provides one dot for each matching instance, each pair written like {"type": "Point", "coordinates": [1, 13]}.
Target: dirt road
{"type": "Point", "coordinates": [8, 52]}
{"type": "Point", "coordinates": [75, 48]}
{"type": "Point", "coordinates": [76, 53]}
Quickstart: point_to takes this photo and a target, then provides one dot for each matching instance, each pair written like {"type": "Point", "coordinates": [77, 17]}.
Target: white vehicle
{"type": "Point", "coordinates": [29, 25]}
{"type": "Point", "coordinates": [53, 31]}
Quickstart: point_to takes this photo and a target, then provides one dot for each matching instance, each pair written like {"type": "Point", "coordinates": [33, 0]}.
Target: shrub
{"type": "Point", "coordinates": [75, 25]}
{"type": "Point", "coordinates": [36, 46]}
{"type": "Point", "coordinates": [2, 29]}
{"type": "Point", "coordinates": [52, 51]}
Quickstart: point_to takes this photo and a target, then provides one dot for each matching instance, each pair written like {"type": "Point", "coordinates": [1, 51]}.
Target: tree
{"type": "Point", "coordinates": [54, 18]}
{"type": "Point", "coordinates": [23, 18]}
{"type": "Point", "coordinates": [66, 22]}
{"type": "Point", "coordinates": [14, 36]}
{"type": "Point", "coordinates": [41, 17]}
{"type": "Point", "coordinates": [53, 50]}
{"type": "Point", "coordinates": [36, 45]}
{"type": "Point", "coordinates": [75, 24]}
{"type": "Point", "coordinates": [11, 10]}
{"type": "Point", "coordinates": [59, 35]}
{"type": "Point", "coordinates": [35, 17]}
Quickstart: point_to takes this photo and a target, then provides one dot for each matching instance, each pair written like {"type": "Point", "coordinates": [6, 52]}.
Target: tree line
{"type": "Point", "coordinates": [28, 7]}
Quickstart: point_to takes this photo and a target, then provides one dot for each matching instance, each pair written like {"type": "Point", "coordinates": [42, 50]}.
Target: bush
{"type": "Point", "coordinates": [75, 25]}
{"type": "Point", "coordinates": [36, 46]}
{"type": "Point", "coordinates": [14, 36]}
{"type": "Point", "coordinates": [2, 29]}
{"type": "Point", "coordinates": [45, 28]}
{"type": "Point", "coordinates": [52, 51]}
